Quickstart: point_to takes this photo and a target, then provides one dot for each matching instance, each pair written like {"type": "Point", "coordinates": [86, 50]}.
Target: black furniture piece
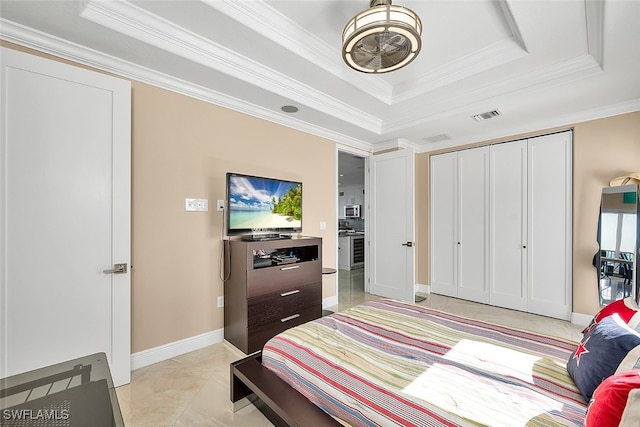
{"type": "Point", "coordinates": [75, 393]}
{"type": "Point", "coordinates": [271, 285]}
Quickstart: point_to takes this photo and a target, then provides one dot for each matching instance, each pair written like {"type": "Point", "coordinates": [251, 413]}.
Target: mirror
{"type": "Point", "coordinates": [618, 244]}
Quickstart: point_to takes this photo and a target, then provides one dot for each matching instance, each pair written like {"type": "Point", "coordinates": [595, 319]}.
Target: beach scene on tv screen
{"type": "Point", "coordinates": [259, 203]}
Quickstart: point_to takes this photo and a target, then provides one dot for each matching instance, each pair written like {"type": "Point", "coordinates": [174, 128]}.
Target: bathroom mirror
{"type": "Point", "coordinates": [618, 244]}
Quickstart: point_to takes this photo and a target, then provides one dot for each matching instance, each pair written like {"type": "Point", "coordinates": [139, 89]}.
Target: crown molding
{"type": "Point", "coordinates": [55, 46]}
{"type": "Point", "coordinates": [387, 145]}
{"type": "Point", "coordinates": [163, 33]}
{"type": "Point", "coordinates": [594, 10]}
{"type": "Point", "coordinates": [45, 43]}
{"type": "Point", "coordinates": [492, 56]}
{"type": "Point", "coordinates": [556, 74]}
{"type": "Point", "coordinates": [273, 25]}
{"type": "Point", "coordinates": [499, 53]}
{"type": "Point", "coordinates": [127, 18]}
{"type": "Point", "coordinates": [407, 144]}
{"type": "Point", "coordinates": [400, 143]}
{"type": "Point", "coordinates": [511, 23]}
{"type": "Point", "coordinates": [353, 150]}
{"type": "Point", "coordinates": [567, 120]}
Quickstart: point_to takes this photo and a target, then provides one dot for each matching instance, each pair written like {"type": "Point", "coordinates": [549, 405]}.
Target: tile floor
{"type": "Point", "coordinates": [193, 389]}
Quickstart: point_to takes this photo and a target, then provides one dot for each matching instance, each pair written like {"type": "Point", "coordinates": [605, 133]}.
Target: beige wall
{"type": "Point", "coordinates": [602, 149]}
{"type": "Point", "coordinates": [183, 148]}
{"type": "Point", "coordinates": [422, 218]}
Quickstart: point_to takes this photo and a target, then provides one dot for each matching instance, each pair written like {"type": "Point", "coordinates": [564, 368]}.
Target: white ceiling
{"type": "Point", "coordinates": [541, 63]}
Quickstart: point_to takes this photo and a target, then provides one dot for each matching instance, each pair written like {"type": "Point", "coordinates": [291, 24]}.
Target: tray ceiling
{"type": "Point", "coordinates": [539, 63]}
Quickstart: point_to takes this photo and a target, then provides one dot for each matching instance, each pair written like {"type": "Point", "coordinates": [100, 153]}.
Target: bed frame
{"type": "Point", "coordinates": [279, 402]}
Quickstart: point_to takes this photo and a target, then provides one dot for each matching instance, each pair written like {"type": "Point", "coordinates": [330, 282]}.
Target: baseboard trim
{"type": "Point", "coordinates": [167, 351]}
{"type": "Point", "coordinates": [581, 319]}
{"type": "Point", "coordinates": [425, 289]}
{"type": "Point", "coordinates": [329, 302]}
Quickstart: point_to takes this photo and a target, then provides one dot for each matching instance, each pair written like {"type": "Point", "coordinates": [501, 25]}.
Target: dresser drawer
{"type": "Point", "coordinates": [278, 278]}
{"type": "Point", "coordinates": [280, 305]}
{"type": "Point", "coordinates": [257, 337]}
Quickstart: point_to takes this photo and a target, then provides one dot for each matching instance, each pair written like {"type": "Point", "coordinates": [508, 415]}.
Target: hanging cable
{"type": "Point", "coordinates": [226, 249]}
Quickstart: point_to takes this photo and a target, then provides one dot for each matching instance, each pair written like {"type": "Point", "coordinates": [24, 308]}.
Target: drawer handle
{"type": "Point", "coordinates": [293, 267]}
{"type": "Point", "coordinates": [286, 319]}
{"type": "Point", "coordinates": [286, 294]}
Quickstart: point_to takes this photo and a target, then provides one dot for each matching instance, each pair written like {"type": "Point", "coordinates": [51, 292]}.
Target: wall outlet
{"type": "Point", "coordinates": [220, 205]}
{"type": "Point", "coordinates": [221, 301]}
{"type": "Point", "coordinates": [196, 205]}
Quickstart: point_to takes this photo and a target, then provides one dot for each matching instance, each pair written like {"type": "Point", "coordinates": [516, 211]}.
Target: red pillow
{"type": "Point", "coordinates": [627, 309]}
{"type": "Point", "coordinates": [616, 399]}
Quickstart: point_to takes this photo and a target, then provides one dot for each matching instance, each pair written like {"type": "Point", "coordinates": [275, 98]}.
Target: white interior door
{"type": "Point", "coordinates": [392, 225]}
{"type": "Point", "coordinates": [65, 206]}
{"type": "Point", "coordinates": [443, 203]}
{"type": "Point", "coordinates": [549, 238]}
{"type": "Point", "coordinates": [473, 234]}
{"type": "Point", "coordinates": [508, 225]}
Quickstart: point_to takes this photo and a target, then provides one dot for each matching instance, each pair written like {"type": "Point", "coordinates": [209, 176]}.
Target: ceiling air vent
{"type": "Point", "coordinates": [486, 116]}
{"type": "Point", "coordinates": [436, 138]}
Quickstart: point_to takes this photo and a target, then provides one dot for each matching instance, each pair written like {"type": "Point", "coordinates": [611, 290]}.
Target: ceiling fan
{"type": "Point", "coordinates": [382, 38]}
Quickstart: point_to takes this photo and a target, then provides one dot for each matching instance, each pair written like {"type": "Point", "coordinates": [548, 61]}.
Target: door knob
{"type": "Point", "coordinates": [408, 244]}
{"type": "Point", "coordinates": [117, 269]}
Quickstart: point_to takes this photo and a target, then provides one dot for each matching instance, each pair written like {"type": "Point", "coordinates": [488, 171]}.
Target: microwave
{"type": "Point", "coordinates": [352, 211]}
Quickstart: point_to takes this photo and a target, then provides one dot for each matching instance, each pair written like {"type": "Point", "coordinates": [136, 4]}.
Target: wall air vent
{"type": "Point", "coordinates": [486, 116]}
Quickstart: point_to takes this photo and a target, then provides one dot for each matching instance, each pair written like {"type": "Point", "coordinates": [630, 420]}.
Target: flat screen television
{"type": "Point", "coordinates": [259, 205]}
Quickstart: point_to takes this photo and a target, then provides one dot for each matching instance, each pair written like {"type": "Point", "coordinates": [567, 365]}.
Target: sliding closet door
{"type": "Point", "coordinates": [501, 225]}
{"type": "Point", "coordinates": [549, 226]}
{"type": "Point", "coordinates": [508, 193]}
{"type": "Point", "coordinates": [473, 229]}
{"type": "Point", "coordinates": [444, 222]}
{"type": "Point", "coordinates": [460, 224]}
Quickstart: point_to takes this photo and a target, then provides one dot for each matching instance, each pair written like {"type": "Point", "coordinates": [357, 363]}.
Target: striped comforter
{"type": "Point", "coordinates": [391, 363]}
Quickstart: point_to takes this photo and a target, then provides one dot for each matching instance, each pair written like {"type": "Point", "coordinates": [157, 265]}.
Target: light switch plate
{"type": "Point", "coordinates": [196, 205]}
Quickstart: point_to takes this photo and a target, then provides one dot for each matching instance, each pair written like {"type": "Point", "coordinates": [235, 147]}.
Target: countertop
{"type": "Point", "coordinates": [350, 233]}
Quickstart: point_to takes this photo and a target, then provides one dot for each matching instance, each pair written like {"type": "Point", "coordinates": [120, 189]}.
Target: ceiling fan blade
{"type": "Point", "coordinates": [394, 42]}
{"type": "Point", "coordinates": [369, 45]}
{"type": "Point", "coordinates": [375, 63]}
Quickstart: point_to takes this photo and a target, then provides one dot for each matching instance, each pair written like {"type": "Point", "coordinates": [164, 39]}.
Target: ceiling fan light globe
{"type": "Point", "coordinates": [353, 40]}
{"type": "Point", "coordinates": [356, 67]}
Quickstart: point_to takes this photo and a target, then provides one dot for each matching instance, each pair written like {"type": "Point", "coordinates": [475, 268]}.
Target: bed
{"type": "Point", "coordinates": [387, 362]}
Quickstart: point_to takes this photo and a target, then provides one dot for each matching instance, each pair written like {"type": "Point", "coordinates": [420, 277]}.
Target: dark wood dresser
{"type": "Point", "coordinates": [272, 285]}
